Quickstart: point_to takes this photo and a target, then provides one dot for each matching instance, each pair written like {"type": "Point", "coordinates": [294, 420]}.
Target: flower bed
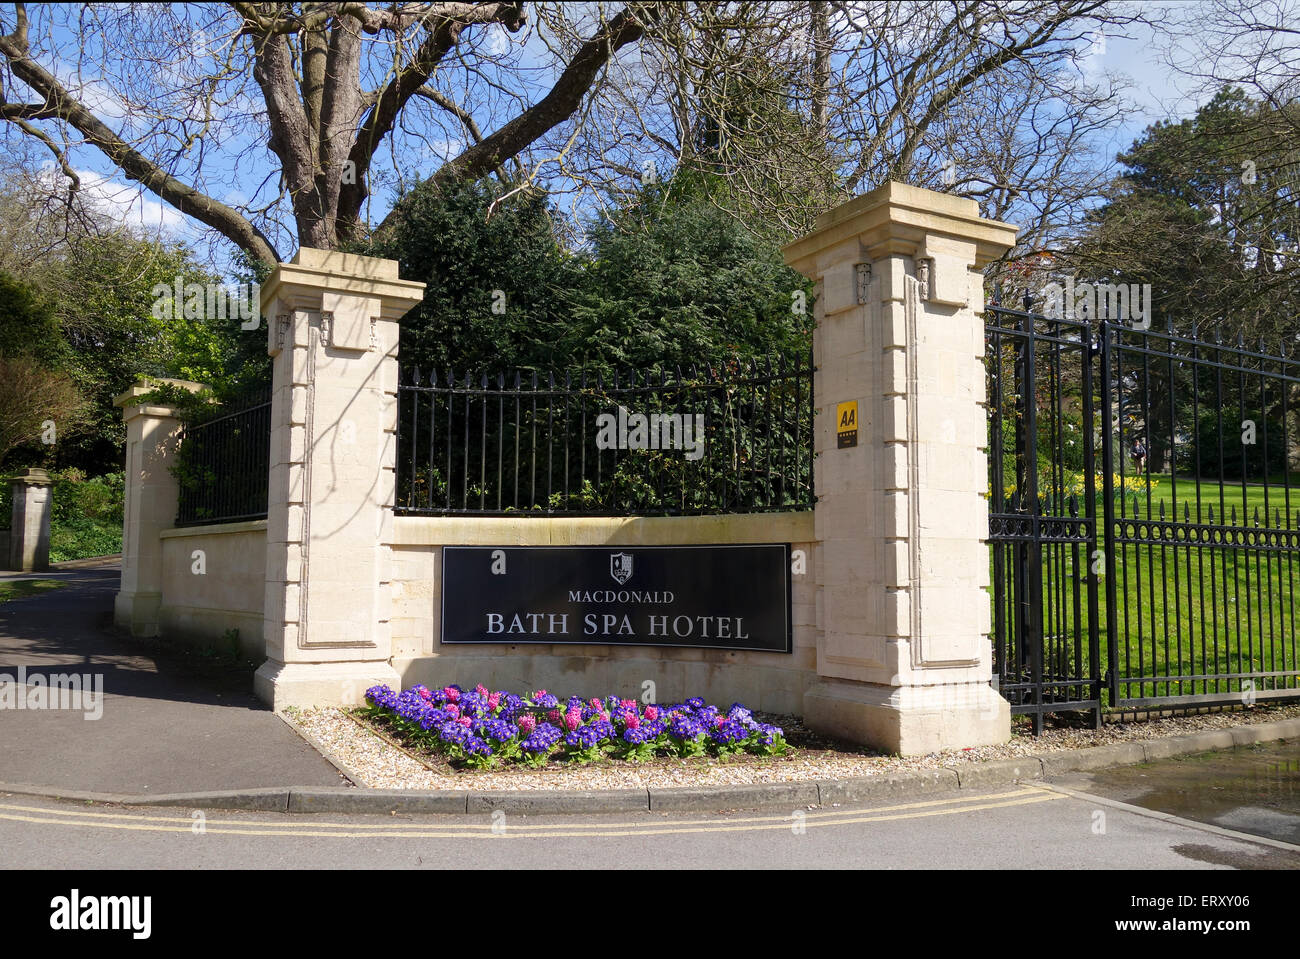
{"type": "Point", "coordinates": [481, 729]}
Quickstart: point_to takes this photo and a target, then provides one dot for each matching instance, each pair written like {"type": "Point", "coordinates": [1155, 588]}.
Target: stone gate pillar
{"type": "Point", "coordinates": [29, 528]}
{"type": "Point", "coordinates": [149, 503]}
{"type": "Point", "coordinates": [332, 323]}
{"type": "Point", "coordinates": [904, 658]}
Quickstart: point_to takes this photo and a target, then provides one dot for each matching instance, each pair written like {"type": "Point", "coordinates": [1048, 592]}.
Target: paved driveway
{"type": "Point", "coordinates": [167, 726]}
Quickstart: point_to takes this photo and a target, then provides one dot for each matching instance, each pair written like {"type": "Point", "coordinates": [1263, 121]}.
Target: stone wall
{"type": "Point", "coordinates": [228, 594]}
{"type": "Point", "coordinates": [890, 616]}
{"type": "Point", "coordinates": [770, 681]}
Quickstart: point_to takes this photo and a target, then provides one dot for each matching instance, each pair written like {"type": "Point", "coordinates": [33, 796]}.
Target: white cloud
{"type": "Point", "coordinates": [128, 204]}
{"type": "Point", "coordinates": [498, 40]}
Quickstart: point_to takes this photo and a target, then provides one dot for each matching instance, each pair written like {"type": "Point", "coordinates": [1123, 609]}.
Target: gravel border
{"type": "Point", "coordinates": [383, 765]}
{"type": "Point", "coordinates": [346, 771]}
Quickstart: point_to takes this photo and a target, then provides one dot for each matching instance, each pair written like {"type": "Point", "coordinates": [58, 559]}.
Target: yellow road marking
{"type": "Point", "coordinates": [536, 832]}
{"type": "Point", "coordinates": [316, 824]}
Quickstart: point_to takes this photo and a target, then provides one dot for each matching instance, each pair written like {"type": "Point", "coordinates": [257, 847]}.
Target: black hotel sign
{"type": "Point", "coordinates": [717, 597]}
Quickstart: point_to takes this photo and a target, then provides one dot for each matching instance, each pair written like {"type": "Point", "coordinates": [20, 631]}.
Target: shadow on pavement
{"type": "Point", "coordinates": [170, 723]}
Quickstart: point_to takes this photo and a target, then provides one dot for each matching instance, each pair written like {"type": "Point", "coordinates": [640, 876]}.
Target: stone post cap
{"type": "Point", "coordinates": [32, 476]}
{"type": "Point", "coordinates": [898, 218]}
{"type": "Point", "coordinates": [147, 385]}
{"type": "Point", "coordinates": [311, 271]}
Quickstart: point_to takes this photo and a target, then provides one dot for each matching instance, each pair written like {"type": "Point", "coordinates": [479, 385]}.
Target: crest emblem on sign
{"type": "Point", "coordinates": [620, 567]}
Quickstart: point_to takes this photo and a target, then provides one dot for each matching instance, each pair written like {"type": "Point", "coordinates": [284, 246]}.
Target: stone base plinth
{"type": "Point", "coordinates": [909, 720]}
{"type": "Point", "coordinates": [137, 612]}
{"type": "Point", "coordinates": [320, 684]}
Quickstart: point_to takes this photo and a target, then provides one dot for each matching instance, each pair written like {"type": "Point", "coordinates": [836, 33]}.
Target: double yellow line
{"type": "Point", "coordinates": [514, 826]}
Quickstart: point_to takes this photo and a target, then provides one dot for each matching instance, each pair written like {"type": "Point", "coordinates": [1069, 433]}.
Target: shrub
{"type": "Point", "coordinates": [1220, 447]}
{"type": "Point", "coordinates": [86, 515]}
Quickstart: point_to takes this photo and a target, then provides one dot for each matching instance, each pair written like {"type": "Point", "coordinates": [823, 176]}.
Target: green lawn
{"type": "Point", "coordinates": [22, 588]}
{"type": "Point", "coordinates": [1182, 491]}
{"type": "Point", "coordinates": [1202, 607]}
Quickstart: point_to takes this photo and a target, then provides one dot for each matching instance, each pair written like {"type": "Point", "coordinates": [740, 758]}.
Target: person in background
{"type": "Point", "coordinates": [1139, 455]}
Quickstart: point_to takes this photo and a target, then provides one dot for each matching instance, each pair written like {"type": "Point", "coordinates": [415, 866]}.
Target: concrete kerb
{"type": "Point", "coordinates": [785, 795]}
{"type": "Point", "coordinates": [261, 799]}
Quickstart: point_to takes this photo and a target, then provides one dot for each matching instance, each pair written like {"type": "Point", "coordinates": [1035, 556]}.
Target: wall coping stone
{"type": "Point", "coordinates": [215, 529]}
{"type": "Point", "coordinates": [526, 530]}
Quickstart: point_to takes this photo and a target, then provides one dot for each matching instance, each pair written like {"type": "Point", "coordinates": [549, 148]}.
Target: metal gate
{"type": "Point", "coordinates": [1144, 517]}
{"type": "Point", "coordinates": [1042, 527]}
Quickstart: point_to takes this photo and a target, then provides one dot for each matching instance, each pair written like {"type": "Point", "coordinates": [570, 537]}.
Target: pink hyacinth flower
{"type": "Point", "coordinates": [539, 694]}
{"type": "Point", "coordinates": [527, 723]}
{"type": "Point", "coordinates": [553, 715]}
{"type": "Point", "coordinates": [652, 713]}
{"type": "Point", "coordinates": [481, 689]}
{"type": "Point", "coordinates": [453, 711]}
{"type": "Point", "coordinates": [573, 719]}
{"type": "Point", "coordinates": [719, 720]}
{"type": "Point", "coordinates": [595, 703]}
{"type": "Point", "coordinates": [494, 701]}
{"type": "Point", "coordinates": [628, 704]}
{"type": "Point", "coordinates": [453, 695]}
{"type": "Point", "coordinates": [465, 721]}
{"type": "Point", "coordinates": [423, 693]}
{"type": "Point", "coordinates": [631, 720]}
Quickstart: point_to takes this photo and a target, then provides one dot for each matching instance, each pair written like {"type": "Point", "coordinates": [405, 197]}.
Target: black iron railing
{"type": "Point", "coordinates": [730, 437]}
{"type": "Point", "coordinates": [1202, 519]}
{"type": "Point", "coordinates": [1144, 516]}
{"type": "Point", "coordinates": [222, 466]}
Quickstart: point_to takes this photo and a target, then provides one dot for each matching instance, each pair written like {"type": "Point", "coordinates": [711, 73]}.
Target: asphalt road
{"type": "Point", "coordinates": [1253, 789]}
{"type": "Point", "coordinates": [1018, 827]}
